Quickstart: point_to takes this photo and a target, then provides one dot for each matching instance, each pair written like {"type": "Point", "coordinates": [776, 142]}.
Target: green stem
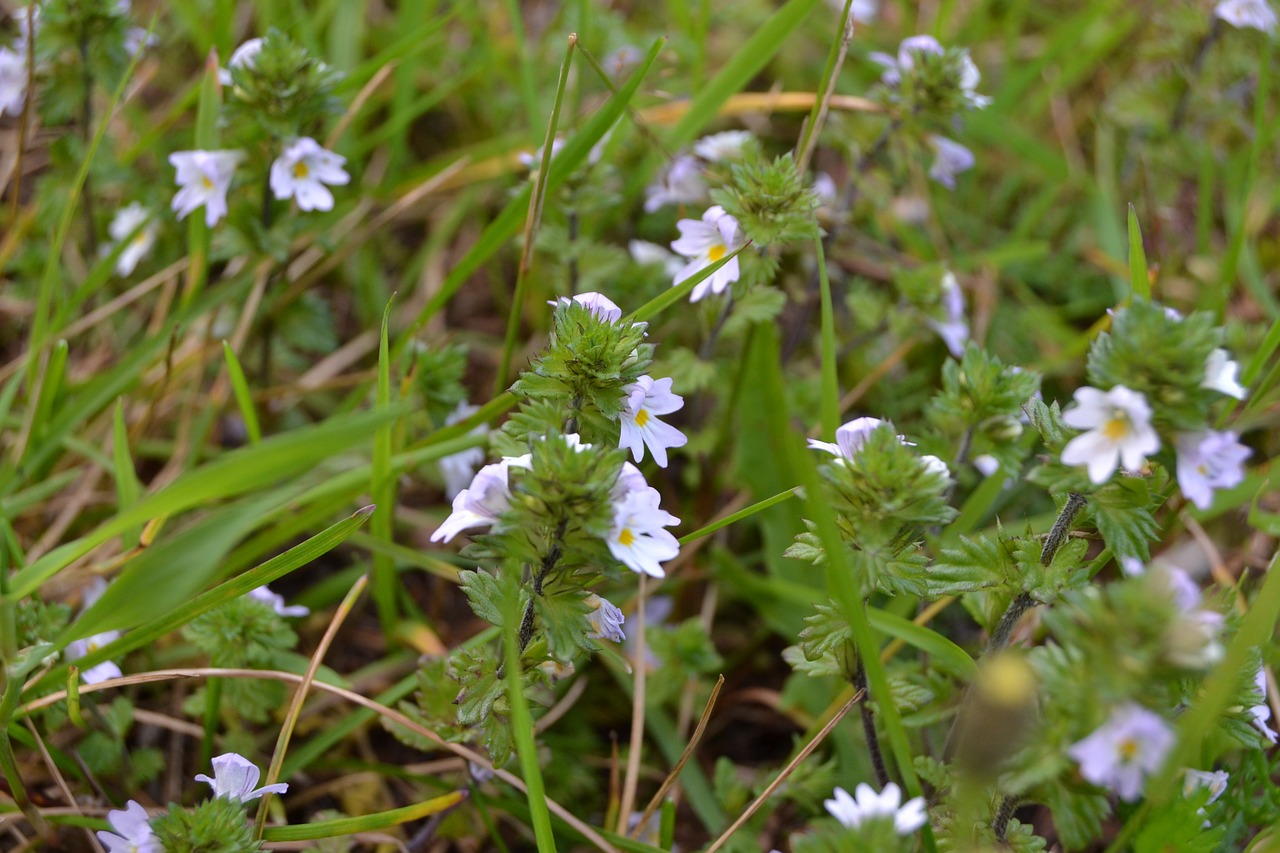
{"type": "Point", "coordinates": [526, 748]}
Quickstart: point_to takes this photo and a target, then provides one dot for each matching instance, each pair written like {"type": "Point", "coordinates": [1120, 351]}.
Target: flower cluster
{"type": "Point", "coordinates": [278, 90]}
{"type": "Point", "coordinates": [684, 180]}
{"type": "Point", "coordinates": [1121, 426]}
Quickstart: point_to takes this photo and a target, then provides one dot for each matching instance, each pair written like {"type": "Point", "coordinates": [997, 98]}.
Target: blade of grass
{"type": "Point", "coordinates": [244, 398]}
{"type": "Point", "coordinates": [1139, 278]}
{"type": "Point", "coordinates": [522, 733]}
{"type": "Point", "coordinates": [127, 487]}
{"type": "Point", "coordinates": [365, 823]}
{"type": "Point", "coordinates": [383, 488]}
{"type": "Point", "coordinates": [830, 381]}
{"type": "Point", "coordinates": [206, 139]}
{"type": "Point", "coordinates": [534, 218]}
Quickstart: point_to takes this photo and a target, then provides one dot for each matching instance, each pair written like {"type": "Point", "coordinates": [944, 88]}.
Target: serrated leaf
{"type": "Point", "coordinates": [484, 592]}
{"type": "Point", "coordinates": [1121, 512]}
{"type": "Point", "coordinates": [1077, 814]}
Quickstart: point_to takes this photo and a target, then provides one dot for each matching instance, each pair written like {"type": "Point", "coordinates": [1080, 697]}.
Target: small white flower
{"type": "Point", "coordinates": [954, 327]}
{"type": "Point", "coordinates": [1209, 460]}
{"type": "Point", "coordinates": [849, 438]}
{"type": "Point", "coordinates": [1247, 13]}
{"type": "Point", "coordinates": [862, 11]}
{"type": "Point", "coordinates": [970, 77]}
{"type": "Point", "coordinates": [950, 158]}
{"type": "Point", "coordinates": [681, 183]}
{"type": "Point", "coordinates": [458, 468]}
{"type": "Point", "coordinates": [1124, 750]}
{"type": "Point", "coordinates": [601, 307]}
{"type": "Point", "coordinates": [276, 602]}
{"type": "Point", "coordinates": [1262, 712]}
{"type": "Point", "coordinates": [645, 253]}
{"type": "Point", "coordinates": [128, 219]}
{"type": "Point", "coordinates": [638, 539]}
{"type": "Point", "coordinates": [234, 776]}
{"type": "Point", "coordinates": [531, 160]}
{"type": "Point", "coordinates": [986, 464]}
{"type": "Point", "coordinates": [646, 399]}
{"type": "Point", "coordinates": [13, 80]}
{"type": "Point", "coordinates": [1220, 375]}
{"type": "Point", "coordinates": [1132, 566]}
{"type": "Point", "coordinates": [605, 619]}
{"type": "Point", "coordinates": [132, 831]}
{"type": "Point", "coordinates": [481, 503]}
{"type": "Point", "coordinates": [704, 242]}
{"type": "Point", "coordinates": [1119, 431]}
{"type": "Point", "coordinates": [203, 179]}
{"type": "Point", "coordinates": [137, 38]}
{"type": "Point", "coordinates": [719, 147]}
{"type": "Point", "coordinates": [303, 170]}
{"type": "Point", "coordinates": [630, 479]}
{"type": "Point", "coordinates": [244, 55]}
{"type": "Point", "coordinates": [851, 812]}
{"type": "Point", "coordinates": [77, 649]}
{"type": "Point", "coordinates": [1216, 782]}
{"type": "Point", "coordinates": [824, 189]}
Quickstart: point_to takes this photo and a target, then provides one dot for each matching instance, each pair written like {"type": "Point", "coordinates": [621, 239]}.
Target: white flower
{"type": "Point", "coordinates": [302, 172]}
{"type": "Point", "coordinates": [482, 502]}
{"type": "Point", "coordinates": [645, 253]}
{"type": "Point", "coordinates": [129, 219]}
{"type": "Point", "coordinates": [458, 468]}
{"type": "Point", "coordinates": [1247, 13]}
{"type": "Point", "coordinates": [907, 818]}
{"type": "Point", "coordinates": [637, 539]}
{"type": "Point", "coordinates": [1132, 566]}
{"type": "Point", "coordinates": [1262, 712]}
{"type": "Point", "coordinates": [13, 80]}
{"type": "Point", "coordinates": [681, 183]}
{"type": "Point", "coordinates": [906, 58]}
{"type": "Point", "coordinates": [862, 11]}
{"type": "Point", "coordinates": [605, 619]}
{"type": "Point", "coordinates": [954, 328]}
{"type": "Point", "coordinates": [137, 38]}
{"type": "Point", "coordinates": [1209, 460]}
{"type": "Point", "coordinates": [77, 649]}
{"type": "Point", "coordinates": [986, 464]}
{"type": "Point", "coordinates": [132, 831]}
{"type": "Point", "coordinates": [719, 147]}
{"type": "Point", "coordinates": [234, 776]}
{"type": "Point", "coordinates": [630, 479]}
{"type": "Point", "coordinates": [849, 438]}
{"type": "Point", "coordinates": [704, 243]}
{"type": "Point", "coordinates": [203, 179]}
{"type": "Point", "coordinates": [1216, 782]}
{"type": "Point", "coordinates": [1124, 750]}
{"type": "Point", "coordinates": [1220, 375]}
{"type": "Point", "coordinates": [1119, 431]}
{"type": "Point", "coordinates": [244, 55]}
{"type": "Point", "coordinates": [646, 399]}
{"type": "Point", "coordinates": [824, 189]}
{"type": "Point", "coordinates": [601, 307]}
{"type": "Point", "coordinates": [950, 158]}
{"type": "Point", "coordinates": [970, 77]}
{"type": "Point", "coordinates": [276, 602]}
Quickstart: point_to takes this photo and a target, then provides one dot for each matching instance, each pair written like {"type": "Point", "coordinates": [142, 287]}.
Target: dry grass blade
{"type": "Point", "coordinates": [684, 758]}
{"type": "Point", "coordinates": [383, 711]}
{"type": "Point", "coordinates": [786, 771]}
{"type": "Point", "coordinates": [300, 695]}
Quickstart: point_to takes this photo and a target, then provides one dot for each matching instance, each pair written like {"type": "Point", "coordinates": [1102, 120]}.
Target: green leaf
{"type": "Point", "coordinates": [244, 399]}
{"type": "Point", "coordinates": [1121, 511]}
{"type": "Point", "coordinates": [1139, 278]}
{"type": "Point", "coordinates": [127, 486]}
{"type": "Point", "coordinates": [945, 653]}
{"type": "Point", "coordinates": [364, 823]}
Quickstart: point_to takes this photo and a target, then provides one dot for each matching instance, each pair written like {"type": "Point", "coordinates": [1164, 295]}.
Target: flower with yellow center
{"type": "Point", "coordinates": [302, 172]}
{"type": "Point", "coordinates": [1123, 751]}
{"type": "Point", "coordinates": [203, 179]}
{"type": "Point", "coordinates": [638, 539]}
{"type": "Point", "coordinates": [705, 242]}
{"type": "Point", "coordinates": [1119, 431]}
{"type": "Point", "coordinates": [647, 398]}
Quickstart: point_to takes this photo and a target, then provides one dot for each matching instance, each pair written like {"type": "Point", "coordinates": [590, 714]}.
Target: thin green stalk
{"type": "Point", "coordinates": [1261, 138]}
{"type": "Point", "coordinates": [383, 488]}
{"type": "Point", "coordinates": [830, 380]}
{"type": "Point", "coordinates": [758, 506]}
{"type": "Point", "coordinates": [534, 219]}
{"type": "Point", "coordinates": [522, 733]}
{"type": "Point", "coordinates": [835, 58]}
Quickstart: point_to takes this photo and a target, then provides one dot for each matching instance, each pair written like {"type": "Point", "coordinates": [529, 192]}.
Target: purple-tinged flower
{"type": "Point", "coordinates": [950, 158]}
{"type": "Point", "coordinates": [132, 831]}
{"type": "Point", "coordinates": [605, 619]}
{"type": "Point", "coordinates": [1257, 14]}
{"type": "Point", "coordinates": [601, 307]}
{"type": "Point", "coordinates": [13, 81]}
{"type": "Point", "coordinates": [954, 327]}
{"type": "Point", "coordinates": [1262, 711]}
{"type": "Point", "coordinates": [648, 398]}
{"type": "Point", "coordinates": [458, 468]}
{"type": "Point", "coordinates": [1220, 375]}
{"type": "Point", "coordinates": [1209, 460]}
{"type": "Point", "coordinates": [681, 183]}
{"type": "Point", "coordinates": [1123, 751]}
{"type": "Point", "coordinates": [276, 602]}
{"type": "Point", "coordinates": [638, 539]}
{"type": "Point", "coordinates": [849, 438]}
{"type": "Point", "coordinates": [235, 776]}
{"type": "Point", "coordinates": [719, 147]}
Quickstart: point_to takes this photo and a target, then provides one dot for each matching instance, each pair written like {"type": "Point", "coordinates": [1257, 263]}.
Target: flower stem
{"type": "Point", "coordinates": [869, 726]}
{"type": "Point", "coordinates": [1000, 826]}
{"type": "Point", "coordinates": [86, 134]}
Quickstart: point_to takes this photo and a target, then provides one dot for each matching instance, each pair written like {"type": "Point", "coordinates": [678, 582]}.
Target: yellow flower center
{"type": "Point", "coordinates": [205, 182]}
{"type": "Point", "coordinates": [626, 537]}
{"type": "Point", "coordinates": [642, 418]}
{"type": "Point", "coordinates": [1128, 749]}
{"type": "Point", "coordinates": [1117, 427]}
{"type": "Point", "coordinates": [301, 170]}
{"type": "Point", "coordinates": [717, 252]}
